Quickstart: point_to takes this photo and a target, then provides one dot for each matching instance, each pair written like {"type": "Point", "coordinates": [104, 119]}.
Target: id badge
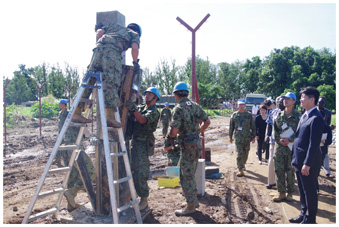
{"type": "Point", "coordinates": [284, 126]}
{"type": "Point", "coordinates": [240, 128]}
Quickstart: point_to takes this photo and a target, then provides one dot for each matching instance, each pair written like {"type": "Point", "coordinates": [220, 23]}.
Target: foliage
{"type": "Point", "coordinates": [333, 119]}
{"type": "Point", "coordinates": [48, 110]}
{"type": "Point", "coordinates": [287, 69]}
{"type": "Point", "coordinates": [12, 115]}
{"type": "Point", "coordinates": [329, 93]}
{"type": "Point", "coordinates": [23, 87]}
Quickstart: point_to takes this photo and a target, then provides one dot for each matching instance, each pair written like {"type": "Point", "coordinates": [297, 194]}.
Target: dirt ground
{"type": "Point", "coordinates": [227, 200]}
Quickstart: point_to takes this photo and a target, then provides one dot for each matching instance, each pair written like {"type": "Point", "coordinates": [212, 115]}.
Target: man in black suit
{"type": "Point", "coordinates": [306, 157]}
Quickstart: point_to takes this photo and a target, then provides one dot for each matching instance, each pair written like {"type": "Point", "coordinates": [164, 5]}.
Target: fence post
{"type": "Point", "coordinates": [40, 87]}
{"type": "Point", "coordinates": [5, 86]}
{"type": "Point", "coordinates": [69, 96]}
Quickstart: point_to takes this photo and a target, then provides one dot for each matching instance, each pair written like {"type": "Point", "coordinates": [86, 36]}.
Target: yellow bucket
{"type": "Point", "coordinates": [169, 182]}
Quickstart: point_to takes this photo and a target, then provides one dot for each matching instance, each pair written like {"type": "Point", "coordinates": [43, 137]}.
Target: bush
{"type": "Point", "coordinates": [48, 110]}
{"type": "Point", "coordinates": [12, 115]}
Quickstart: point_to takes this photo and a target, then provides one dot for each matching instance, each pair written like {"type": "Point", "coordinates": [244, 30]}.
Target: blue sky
{"type": "Point", "coordinates": [61, 31]}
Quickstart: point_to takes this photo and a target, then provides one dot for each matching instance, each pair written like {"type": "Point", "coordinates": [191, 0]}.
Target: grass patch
{"type": "Point", "coordinates": [25, 111]}
{"type": "Point", "coordinates": [333, 119]}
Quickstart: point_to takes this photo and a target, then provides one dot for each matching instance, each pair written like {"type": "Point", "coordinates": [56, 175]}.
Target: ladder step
{"type": "Point", "coordinates": [118, 154]}
{"type": "Point", "coordinates": [73, 124]}
{"type": "Point", "coordinates": [60, 170]}
{"type": "Point", "coordinates": [51, 192]}
{"type": "Point", "coordinates": [87, 100]}
{"type": "Point", "coordinates": [122, 180]}
{"type": "Point", "coordinates": [42, 214]}
{"type": "Point", "coordinates": [68, 147]}
{"type": "Point", "coordinates": [128, 205]}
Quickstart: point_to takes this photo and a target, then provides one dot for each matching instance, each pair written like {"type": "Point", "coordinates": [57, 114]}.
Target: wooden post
{"type": "Point", "coordinates": [102, 189]}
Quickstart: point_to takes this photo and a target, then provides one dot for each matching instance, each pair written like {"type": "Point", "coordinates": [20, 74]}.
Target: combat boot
{"type": "Point", "coordinates": [240, 173]}
{"type": "Point", "coordinates": [289, 197]}
{"type": "Point", "coordinates": [70, 196]}
{"type": "Point", "coordinates": [111, 122]}
{"type": "Point", "coordinates": [197, 204]}
{"type": "Point", "coordinates": [78, 117]}
{"type": "Point", "coordinates": [143, 203]}
{"type": "Point", "coordinates": [280, 197]}
{"type": "Point", "coordinates": [189, 209]}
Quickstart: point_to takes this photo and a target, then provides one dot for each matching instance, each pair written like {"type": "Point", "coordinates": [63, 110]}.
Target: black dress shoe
{"type": "Point", "coordinates": [298, 219]}
{"type": "Point", "coordinates": [270, 186]}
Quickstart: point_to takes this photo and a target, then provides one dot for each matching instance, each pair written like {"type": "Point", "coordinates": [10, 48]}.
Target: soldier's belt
{"type": "Point", "coordinates": [144, 138]}
{"type": "Point", "coordinates": [140, 138]}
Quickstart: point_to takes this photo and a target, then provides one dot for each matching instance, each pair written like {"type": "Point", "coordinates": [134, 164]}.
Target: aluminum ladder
{"type": "Point", "coordinates": [67, 170]}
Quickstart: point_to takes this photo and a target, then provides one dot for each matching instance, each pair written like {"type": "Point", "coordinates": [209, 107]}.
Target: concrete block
{"type": "Point", "coordinates": [109, 17]}
{"type": "Point", "coordinates": [200, 177]}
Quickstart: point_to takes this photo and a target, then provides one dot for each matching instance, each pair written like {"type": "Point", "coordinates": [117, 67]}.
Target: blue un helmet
{"type": "Point", "coordinates": [154, 90]}
{"type": "Point", "coordinates": [166, 104]}
{"type": "Point", "coordinates": [63, 101]}
{"type": "Point", "coordinates": [180, 86]}
{"type": "Point", "coordinates": [135, 27]}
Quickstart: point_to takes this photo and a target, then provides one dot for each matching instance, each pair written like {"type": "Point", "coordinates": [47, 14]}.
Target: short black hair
{"type": "Point", "coordinates": [311, 92]}
{"type": "Point", "coordinates": [267, 102]}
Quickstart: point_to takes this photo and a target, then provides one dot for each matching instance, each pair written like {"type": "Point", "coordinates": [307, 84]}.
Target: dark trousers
{"type": "Point", "coordinates": [307, 186]}
{"type": "Point", "coordinates": [263, 147]}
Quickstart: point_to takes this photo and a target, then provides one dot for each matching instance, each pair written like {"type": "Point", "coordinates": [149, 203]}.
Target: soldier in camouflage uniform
{"type": "Point", "coordinates": [285, 124]}
{"type": "Point", "coordinates": [145, 123]}
{"type": "Point", "coordinates": [74, 183]}
{"type": "Point", "coordinates": [186, 118]}
{"type": "Point", "coordinates": [165, 118]}
{"type": "Point", "coordinates": [173, 155]}
{"type": "Point", "coordinates": [113, 40]}
{"type": "Point", "coordinates": [243, 127]}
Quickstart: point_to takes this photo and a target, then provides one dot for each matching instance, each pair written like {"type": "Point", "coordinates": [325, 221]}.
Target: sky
{"type": "Point", "coordinates": [62, 31]}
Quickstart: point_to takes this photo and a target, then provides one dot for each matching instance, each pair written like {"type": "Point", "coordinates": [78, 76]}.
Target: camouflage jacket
{"type": "Point", "coordinates": [146, 130]}
{"type": "Point", "coordinates": [165, 115]}
{"type": "Point", "coordinates": [118, 37]}
{"type": "Point", "coordinates": [186, 118]}
{"type": "Point", "coordinates": [242, 126]}
{"type": "Point", "coordinates": [72, 132]}
{"type": "Point", "coordinates": [283, 122]}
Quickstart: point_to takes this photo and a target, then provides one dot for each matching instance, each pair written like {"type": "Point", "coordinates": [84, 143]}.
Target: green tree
{"type": "Point", "coordinates": [56, 83]}
{"type": "Point", "coordinates": [148, 80]}
{"type": "Point", "coordinates": [252, 71]}
{"type": "Point", "coordinates": [329, 93]}
{"type": "Point", "coordinates": [166, 76]}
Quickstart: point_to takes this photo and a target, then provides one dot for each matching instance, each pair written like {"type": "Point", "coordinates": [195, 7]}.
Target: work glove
{"type": "Point", "coordinates": [136, 66]}
{"type": "Point", "coordinates": [131, 105]}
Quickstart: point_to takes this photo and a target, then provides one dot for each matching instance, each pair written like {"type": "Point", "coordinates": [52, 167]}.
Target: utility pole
{"type": "Point", "coordinates": [195, 93]}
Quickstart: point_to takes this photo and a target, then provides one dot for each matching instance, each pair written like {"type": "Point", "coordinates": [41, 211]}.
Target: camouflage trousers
{"type": "Point", "coordinates": [108, 61]}
{"type": "Point", "coordinates": [243, 149]}
{"type": "Point", "coordinates": [188, 167]}
{"type": "Point", "coordinates": [140, 166]}
{"type": "Point", "coordinates": [74, 179]}
{"type": "Point", "coordinates": [173, 157]}
{"type": "Point", "coordinates": [283, 170]}
{"type": "Point", "coordinates": [165, 127]}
